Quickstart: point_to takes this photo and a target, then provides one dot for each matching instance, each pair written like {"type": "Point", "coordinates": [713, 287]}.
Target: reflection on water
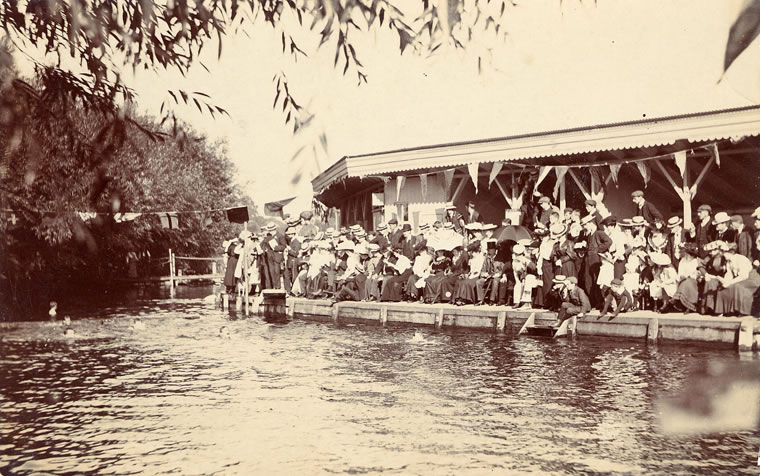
{"type": "Point", "coordinates": [305, 398]}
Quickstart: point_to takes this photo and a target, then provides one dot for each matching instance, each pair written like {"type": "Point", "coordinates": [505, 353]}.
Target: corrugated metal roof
{"type": "Point", "coordinates": [697, 127]}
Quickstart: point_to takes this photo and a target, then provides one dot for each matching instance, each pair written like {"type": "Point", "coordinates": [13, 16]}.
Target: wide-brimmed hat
{"type": "Point", "coordinates": [474, 226]}
{"type": "Point", "coordinates": [660, 259]}
{"type": "Point", "coordinates": [489, 226]}
{"type": "Point", "coordinates": [424, 227]}
{"type": "Point", "coordinates": [557, 230]}
{"type": "Point", "coordinates": [450, 206]}
{"type": "Point", "coordinates": [360, 234]}
{"type": "Point", "coordinates": [721, 217]}
{"type": "Point", "coordinates": [713, 245]}
{"type": "Point", "coordinates": [406, 227]}
{"type": "Point", "coordinates": [355, 227]}
{"type": "Point", "coordinates": [518, 249]}
{"type": "Point", "coordinates": [448, 225]}
{"type": "Point", "coordinates": [559, 279]}
{"type": "Point", "coordinates": [674, 222]}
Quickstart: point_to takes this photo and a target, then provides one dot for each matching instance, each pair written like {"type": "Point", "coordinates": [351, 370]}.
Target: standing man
{"type": "Point", "coordinates": [645, 209]}
{"type": "Point", "coordinates": [676, 239]}
{"type": "Point", "coordinates": [292, 252]}
{"type": "Point", "coordinates": [597, 243]}
{"type": "Point", "coordinates": [722, 230]}
{"type": "Point", "coordinates": [395, 235]}
{"type": "Point", "coordinates": [545, 211]}
{"type": "Point", "coordinates": [591, 210]}
{"type": "Point", "coordinates": [472, 215]}
{"type": "Point", "coordinates": [407, 242]}
{"type": "Point", "coordinates": [744, 242]}
{"type": "Point", "coordinates": [273, 244]}
{"type": "Point", "coordinates": [702, 232]}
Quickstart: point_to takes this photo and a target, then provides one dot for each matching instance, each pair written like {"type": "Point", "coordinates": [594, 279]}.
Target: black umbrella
{"type": "Point", "coordinates": [512, 233]}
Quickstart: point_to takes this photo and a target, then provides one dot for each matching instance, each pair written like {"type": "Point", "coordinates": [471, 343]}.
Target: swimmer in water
{"type": "Point", "coordinates": [138, 325]}
{"type": "Point", "coordinates": [418, 337]}
{"type": "Point", "coordinates": [67, 321]}
{"type": "Point", "coordinates": [224, 332]}
{"type": "Point", "coordinates": [53, 310]}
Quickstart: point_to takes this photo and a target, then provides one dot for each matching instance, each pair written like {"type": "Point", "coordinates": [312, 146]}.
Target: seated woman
{"type": "Point", "coordinates": [687, 294]}
{"type": "Point", "coordinates": [320, 263]}
{"type": "Point", "coordinates": [374, 273]}
{"type": "Point", "coordinates": [469, 289]}
{"type": "Point", "coordinates": [664, 281]}
{"type": "Point", "coordinates": [738, 285]}
{"type": "Point", "coordinates": [401, 268]}
{"type": "Point", "coordinates": [715, 266]}
{"type": "Point", "coordinates": [421, 270]}
{"type": "Point", "coordinates": [457, 270]}
{"type": "Point", "coordinates": [439, 270]}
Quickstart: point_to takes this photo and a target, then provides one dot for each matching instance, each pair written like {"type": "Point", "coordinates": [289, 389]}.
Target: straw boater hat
{"type": "Point", "coordinates": [474, 226]}
{"type": "Point", "coordinates": [355, 228]}
{"type": "Point", "coordinates": [489, 226]}
{"type": "Point", "coordinates": [448, 225]}
{"type": "Point", "coordinates": [559, 279]}
{"type": "Point", "coordinates": [660, 259]}
{"type": "Point", "coordinates": [557, 230]}
{"type": "Point", "coordinates": [674, 222]}
{"type": "Point", "coordinates": [374, 247]}
{"type": "Point", "coordinates": [713, 245]}
{"type": "Point", "coordinates": [424, 227]}
{"type": "Point", "coordinates": [270, 226]}
{"type": "Point", "coordinates": [450, 206]}
{"type": "Point", "coordinates": [382, 227]}
{"type": "Point", "coordinates": [518, 249]}
{"type": "Point", "coordinates": [625, 223]}
{"type": "Point", "coordinates": [638, 220]}
{"type": "Point", "coordinates": [721, 217]}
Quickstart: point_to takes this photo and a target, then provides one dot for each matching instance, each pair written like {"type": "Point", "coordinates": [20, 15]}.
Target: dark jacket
{"type": "Point", "coordinates": [597, 243]}
{"type": "Point", "coordinates": [649, 212]}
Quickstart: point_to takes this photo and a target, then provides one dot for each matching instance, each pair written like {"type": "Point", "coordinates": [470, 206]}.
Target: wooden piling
{"type": "Point", "coordinates": [746, 334]}
{"type": "Point", "coordinates": [501, 322]}
{"type": "Point", "coordinates": [335, 311]}
{"type": "Point", "coordinates": [225, 302]}
{"type": "Point", "coordinates": [383, 315]}
{"type": "Point", "coordinates": [572, 326]}
{"type": "Point", "coordinates": [439, 319]}
{"type": "Point", "coordinates": [653, 331]}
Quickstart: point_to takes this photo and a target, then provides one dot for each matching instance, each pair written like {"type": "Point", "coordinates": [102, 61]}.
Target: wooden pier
{"type": "Point", "coordinates": [738, 332]}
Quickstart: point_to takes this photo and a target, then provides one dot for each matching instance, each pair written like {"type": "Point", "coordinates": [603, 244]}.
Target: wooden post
{"type": "Point", "coordinates": [746, 331]}
{"type": "Point", "coordinates": [335, 311]}
{"type": "Point", "coordinates": [686, 196]}
{"type": "Point", "coordinates": [562, 196]}
{"type": "Point", "coordinates": [501, 322]}
{"type": "Point", "coordinates": [439, 319]}
{"type": "Point", "coordinates": [171, 269]}
{"type": "Point", "coordinates": [573, 325]}
{"type": "Point", "coordinates": [653, 331]}
{"type": "Point", "coordinates": [246, 290]}
{"type": "Point", "coordinates": [213, 267]}
{"type": "Point", "coordinates": [383, 315]}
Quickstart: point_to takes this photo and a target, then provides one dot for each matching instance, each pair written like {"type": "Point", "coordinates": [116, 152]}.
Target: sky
{"type": "Point", "coordinates": [563, 64]}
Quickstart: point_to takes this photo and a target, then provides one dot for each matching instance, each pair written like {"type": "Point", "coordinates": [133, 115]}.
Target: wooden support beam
{"type": "Point", "coordinates": [530, 322]}
{"type": "Point", "coordinates": [664, 171]}
{"type": "Point", "coordinates": [686, 196]}
{"type": "Point", "coordinates": [578, 182]}
{"type": "Point", "coordinates": [562, 195]}
{"type": "Point", "coordinates": [504, 192]}
{"type": "Point", "coordinates": [459, 188]}
{"type": "Point", "coordinates": [701, 176]}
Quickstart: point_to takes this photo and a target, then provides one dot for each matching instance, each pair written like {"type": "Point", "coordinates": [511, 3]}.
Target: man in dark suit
{"type": "Point", "coordinates": [273, 244]}
{"type": "Point", "coordinates": [702, 232]}
{"type": "Point", "coordinates": [472, 215]}
{"type": "Point", "coordinates": [576, 302]}
{"type": "Point", "coordinates": [597, 243]}
{"type": "Point", "coordinates": [591, 210]}
{"type": "Point", "coordinates": [407, 241]}
{"type": "Point", "coordinates": [395, 234]}
{"type": "Point", "coordinates": [645, 209]}
{"type": "Point", "coordinates": [676, 238]}
{"type": "Point", "coordinates": [742, 236]}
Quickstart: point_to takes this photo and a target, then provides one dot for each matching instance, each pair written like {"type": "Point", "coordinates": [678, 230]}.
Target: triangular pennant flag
{"type": "Point", "coordinates": [542, 173]}
{"type": "Point", "coordinates": [596, 181]}
{"type": "Point", "coordinates": [473, 170]}
{"type": "Point", "coordinates": [680, 158]}
{"type": "Point", "coordinates": [400, 181]}
{"type": "Point", "coordinates": [561, 171]}
{"type": "Point", "coordinates": [614, 170]}
{"type": "Point", "coordinates": [714, 150]}
{"type": "Point", "coordinates": [495, 169]}
{"type": "Point", "coordinates": [646, 173]}
{"type": "Point", "coordinates": [448, 176]}
{"type": "Point", "coordinates": [423, 185]}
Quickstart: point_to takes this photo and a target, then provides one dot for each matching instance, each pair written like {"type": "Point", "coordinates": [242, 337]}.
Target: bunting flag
{"type": "Point", "coordinates": [646, 173]}
{"type": "Point", "coordinates": [542, 173]}
{"type": "Point", "coordinates": [400, 181]}
{"type": "Point", "coordinates": [423, 185]}
{"type": "Point", "coordinates": [275, 209]}
{"type": "Point", "coordinates": [561, 171]}
{"type": "Point", "coordinates": [596, 181]}
{"type": "Point", "coordinates": [714, 150]}
{"type": "Point", "coordinates": [237, 214]}
{"type": "Point", "coordinates": [680, 158]}
{"type": "Point", "coordinates": [614, 169]}
{"type": "Point", "coordinates": [448, 176]}
{"type": "Point", "coordinates": [169, 220]}
{"type": "Point", "coordinates": [495, 169]}
{"type": "Point", "coordinates": [125, 217]}
{"type": "Point", "coordinates": [473, 170]}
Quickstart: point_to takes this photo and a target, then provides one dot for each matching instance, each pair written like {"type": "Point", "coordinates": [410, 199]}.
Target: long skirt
{"type": "Point", "coordinates": [547, 277]}
{"type": "Point", "coordinates": [393, 287]}
{"type": "Point", "coordinates": [229, 273]}
{"type": "Point", "coordinates": [412, 290]}
{"type": "Point", "coordinates": [470, 290]}
{"type": "Point", "coordinates": [432, 292]}
{"type": "Point", "coordinates": [317, 285]}
{"type": "Point", "coordinates": [372, 288]}
{"type": "Point", "coordinates": [687, 294]}
{"type": "Point", "coordinates": [568, 269]}
{"type": "Point", "coordinates": [738, 298]}
{"type": "Point", "coordinates": [448, 286]}
{"type": "Point", "coordinates": [352, 289]}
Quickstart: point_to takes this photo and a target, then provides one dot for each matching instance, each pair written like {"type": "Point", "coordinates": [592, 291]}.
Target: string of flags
{"type": "Point", "coordinates": [168, 219]}
{"type": "Point", "coordinates": [446, 177]}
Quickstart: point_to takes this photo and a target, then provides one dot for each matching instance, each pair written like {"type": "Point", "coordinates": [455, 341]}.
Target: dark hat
{"type": "Point", "coordinates": [637, 193]}
{"type": "Point", "coordinates": [491, 244]}
{"type": "Point", "coordinates": [737, 219]}
{"type": "Point", "coordinates": [406, 227]}
{"type": "Point", "coordinates": [590, 202]}
{"type": "Point", "coordinates": [448, 225]}
{"type": "Point", "coordinates": [616, 282]}
{"type": "Point", "coordinates": [544, 200]}
{"type": "Point", "coordinates": [707, 208]}
{"type": "Point", "coordinates": [638, 220]}
{"type": "Point", "coordinates": [393, 221]}
{"type": "Point", "coordinates": [306, 215]}
{"type": "Point", "coordinates": [609, 221]}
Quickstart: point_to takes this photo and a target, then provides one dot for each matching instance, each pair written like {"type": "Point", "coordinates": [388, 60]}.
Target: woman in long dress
{"type": "Point", "coordinates": [664, 281]}
{"type": "Point", "coordinates": [470, 288]}
{"type": "Point", "coordinates": [458, 268]}
{"type": "Point", "coordinates": [738, 285]}
{"type": "Point", "coordinates": [687, 294]}
{"type": "Point", "coordinates": [440, 269]}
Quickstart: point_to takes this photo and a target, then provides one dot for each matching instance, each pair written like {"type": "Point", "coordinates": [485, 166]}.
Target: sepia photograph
{"type": "Point", "coordinates": [363, 237]}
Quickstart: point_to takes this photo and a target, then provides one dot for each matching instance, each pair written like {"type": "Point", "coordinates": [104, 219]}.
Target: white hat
{"type": "Point", "coordinates": [518, 249]}
{"type": "Point", "coordinates": [721, 217]}
{"type": "Point", "coordinates": [660, 259]}
{"type": "Point", "coordinates": [474, 226]}
{"type": "Point", "coordinates": [489, 226]}
{"type": "Point", "coordinates": [756, 213]}
{"type": "Point", "coordinates": [270, 226]}
{"type": "Point", "coordinates": [346, 246]}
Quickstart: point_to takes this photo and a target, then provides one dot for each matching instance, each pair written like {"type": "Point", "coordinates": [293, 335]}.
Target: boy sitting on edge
{"type": "Point", "coordinates": [620, 297]}
{"type": "Point", "coordinates": [576, 302]}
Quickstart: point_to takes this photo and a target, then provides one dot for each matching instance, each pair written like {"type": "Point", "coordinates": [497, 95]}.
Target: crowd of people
{"type": "Point", "coordinates": [570, 262]}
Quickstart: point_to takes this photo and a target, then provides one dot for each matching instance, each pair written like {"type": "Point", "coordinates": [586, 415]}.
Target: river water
{"type": "Point", "coordinates": [311, 398]}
